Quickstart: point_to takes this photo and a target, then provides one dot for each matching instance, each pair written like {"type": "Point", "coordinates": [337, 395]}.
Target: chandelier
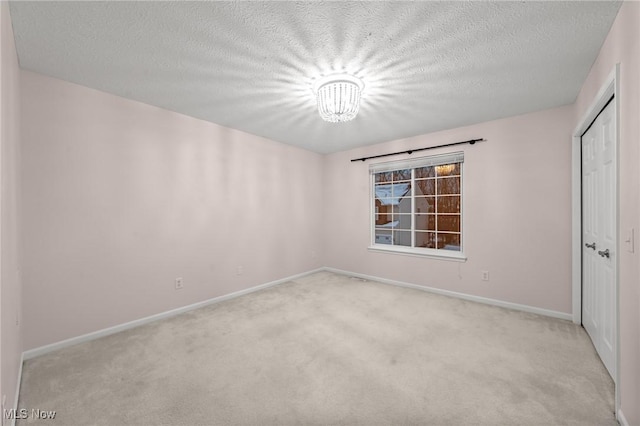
{"type": "Point", "coordinates": [338, 97]}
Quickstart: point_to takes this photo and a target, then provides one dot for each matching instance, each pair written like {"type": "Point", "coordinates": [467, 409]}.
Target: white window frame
{"type": "Point", "coordinates": [413, 163]}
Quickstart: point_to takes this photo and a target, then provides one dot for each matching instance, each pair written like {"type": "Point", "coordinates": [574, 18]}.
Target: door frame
{"type": "Point", "coordinates": [610, 87]}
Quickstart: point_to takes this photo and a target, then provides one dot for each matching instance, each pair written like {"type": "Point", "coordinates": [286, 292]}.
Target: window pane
{"type": "Point", "coordinates": [393, 194]}
{"type": "Point", "coordinates": [449, 241]}
{"type": "Point", "coordinates": [402, 221]}
{"type": "Point", "coordinates": [383, 220]}
{"type": "Point", "coordinates": [383, 206]}
{"type": "Point", "coordinates": [383, 190]}
{"type": "Point", "coordinates": [426, 239]}
{"type": "Point", "coordinates": [383, 237]}
{"type": "Point", "coordinates": [449, 223]}
{"type": "Point", "coordinates": [425, 172]}
{"type": "Point", "coordinates": [383, 177]}
{"type": "Point", "coordinates": [448, 169]}
{"type": "Point", "coordinates": [400, 189]}
{"type": "Point", "coordinates": [426, 187]}
{"type": "Point", "coordinates": [402, 238]}
{"type": "Point", "coordinates": [425, 222]}
{"type": "Point", "coordinates": [449, 185]}
{"type": "Point", "coordinates": [448, 204]}
{"type": "Point", "coordinates": [425, 204]}
{"type": "Point", "coordinates": [402, 175]}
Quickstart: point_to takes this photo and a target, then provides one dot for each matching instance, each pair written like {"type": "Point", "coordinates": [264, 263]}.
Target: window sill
{"type": "Point", "coordinates": [433, 254]}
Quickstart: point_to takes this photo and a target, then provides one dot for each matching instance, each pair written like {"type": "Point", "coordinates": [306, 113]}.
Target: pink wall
{"type": "Point", "coordinates": [623, 46]}
{"type": "Point", "coordinates": [517, 195]}
{"type": "Point", "coordinates": [120, 198]}
{"type": "Point", "coordinates": [10, 288]}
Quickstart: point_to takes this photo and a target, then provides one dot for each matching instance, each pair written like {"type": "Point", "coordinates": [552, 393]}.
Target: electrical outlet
{"type": "Point", "coordinates": [239, 270]}
{"type": "Point", "coordinates": [179, 284]}
{"type": "Point", "coordinates": [485, 275]}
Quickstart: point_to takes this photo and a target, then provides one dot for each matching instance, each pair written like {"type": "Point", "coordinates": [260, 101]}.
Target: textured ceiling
{"type": "Point", "coordinates": [427, 66]}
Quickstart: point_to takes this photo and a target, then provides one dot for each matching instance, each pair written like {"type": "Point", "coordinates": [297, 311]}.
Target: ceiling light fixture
{"type": "Point", "coordinates": [338, 97]}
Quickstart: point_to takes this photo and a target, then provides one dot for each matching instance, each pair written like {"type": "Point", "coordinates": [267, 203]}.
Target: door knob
{"type": "Point", "coordinates": [604, 253]}
{"type": "Point", "coordinates": [591, 246]}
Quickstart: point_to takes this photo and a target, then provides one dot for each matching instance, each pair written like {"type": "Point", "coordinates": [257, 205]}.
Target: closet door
{"type": "Point", "coordinates": [599, 234]}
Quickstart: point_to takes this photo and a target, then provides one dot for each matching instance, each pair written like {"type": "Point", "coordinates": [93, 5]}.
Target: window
{"type": "Point", "coordinates": [417, 205]}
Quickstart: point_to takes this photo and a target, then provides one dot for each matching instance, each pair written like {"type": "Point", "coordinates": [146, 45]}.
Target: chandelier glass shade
{"type": "Point", "coordinates": [338, 97]}
{"type": "Point", "coordinates": [445, 169]}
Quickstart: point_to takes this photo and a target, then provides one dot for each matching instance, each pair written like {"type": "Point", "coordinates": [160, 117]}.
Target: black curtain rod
{"type": "Point", "coordinates": [411, 151]}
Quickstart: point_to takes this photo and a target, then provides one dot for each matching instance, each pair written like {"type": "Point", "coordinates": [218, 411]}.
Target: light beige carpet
{"type": "Point", "coordinates": [327, 350]}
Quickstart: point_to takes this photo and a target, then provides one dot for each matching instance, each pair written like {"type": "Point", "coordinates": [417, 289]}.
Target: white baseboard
{"type": "Point", "coordinates": [479, 299]}
{"type": "Point", "coordinates": [17, 395]}
{"type": "Point", "coordinates": [622, 419]}
{"type": "Point", "coordinates": [32, 353]}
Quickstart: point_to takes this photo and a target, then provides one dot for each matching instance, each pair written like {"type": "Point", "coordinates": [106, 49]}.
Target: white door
{"type": "Point", "coordinates": [599, 237]}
